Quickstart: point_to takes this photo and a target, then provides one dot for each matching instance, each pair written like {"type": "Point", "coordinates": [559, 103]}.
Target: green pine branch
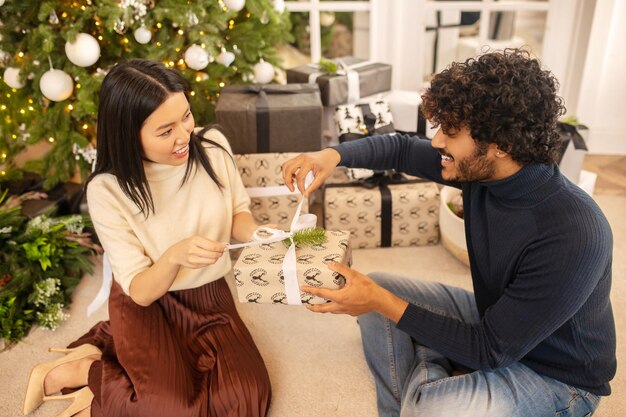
{"type": "Point", "coordinates": [308, 237]}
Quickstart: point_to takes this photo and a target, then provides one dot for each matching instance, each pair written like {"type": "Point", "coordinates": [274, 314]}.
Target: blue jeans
{"type": "Point", "coordinates": [413, 380]}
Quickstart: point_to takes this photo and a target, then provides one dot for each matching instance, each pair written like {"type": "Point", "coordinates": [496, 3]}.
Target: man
{"type": "Point", "coordinates": [537, 333]}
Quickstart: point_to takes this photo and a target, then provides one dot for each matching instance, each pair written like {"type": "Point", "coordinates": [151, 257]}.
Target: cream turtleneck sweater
{"type": "Point", "coordinates": [198, 208]}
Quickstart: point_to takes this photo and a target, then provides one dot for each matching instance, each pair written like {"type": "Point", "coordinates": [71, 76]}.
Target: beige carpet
{"type": "Point", "coordinates": [315, 361]}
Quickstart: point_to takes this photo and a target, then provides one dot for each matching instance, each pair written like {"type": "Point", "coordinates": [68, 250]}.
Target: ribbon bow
{"type": "Point", "coordinates": [571, 132]}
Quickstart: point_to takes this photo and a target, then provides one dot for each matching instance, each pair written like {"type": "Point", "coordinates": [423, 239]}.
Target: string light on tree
{"type": "Point", "coordinates": [263, 72]}
{"type": "Point", "coordinates": [84, 51]}
{"type": "Point", "coordinates": [196, 57]}
{"type": "Point", "coordinates": [142, 35]}
{"type": "Point", "coordinates": [234, 5]}
{"type": "Point", "coordinates": [12, 77]}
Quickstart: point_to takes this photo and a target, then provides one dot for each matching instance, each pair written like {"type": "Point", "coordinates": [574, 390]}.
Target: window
{"type": "Point", "coordinates": [457, 30]}
{"type": "Point", "coordinates": [331, 29]}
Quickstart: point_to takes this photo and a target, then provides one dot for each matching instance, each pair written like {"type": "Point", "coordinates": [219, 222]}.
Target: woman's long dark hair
{"type": "Point", "coordinates": [130, 93]}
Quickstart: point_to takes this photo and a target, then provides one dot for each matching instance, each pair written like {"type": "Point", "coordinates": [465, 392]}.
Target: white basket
{"type": "Point", "coordinates": [452, 227]}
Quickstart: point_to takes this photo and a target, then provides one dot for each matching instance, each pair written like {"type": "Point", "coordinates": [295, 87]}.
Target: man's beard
{"type": "Point", "coordinates": [477, 167]}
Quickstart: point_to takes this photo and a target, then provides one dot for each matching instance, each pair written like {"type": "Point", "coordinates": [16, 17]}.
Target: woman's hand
{"type": "Point", "coordinates": [196, 252]}
{"type": "Point", "coordinates": [321, 163]}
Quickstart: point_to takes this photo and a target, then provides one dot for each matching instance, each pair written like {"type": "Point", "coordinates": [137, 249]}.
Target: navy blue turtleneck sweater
{"type": "Point", "coordinates": [540, 253]}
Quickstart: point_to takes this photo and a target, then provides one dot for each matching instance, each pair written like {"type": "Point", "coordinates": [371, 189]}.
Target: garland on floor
{"type": "Point", "coordinates": [41, 262]}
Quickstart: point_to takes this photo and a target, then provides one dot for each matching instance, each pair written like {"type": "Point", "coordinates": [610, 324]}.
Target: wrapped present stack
{"type": "Point", "coordinates": [387, 209]}
{"type": "Point", "coordinates": [342, 81]}
{"type": "Point", "coordinates": [261, 273]}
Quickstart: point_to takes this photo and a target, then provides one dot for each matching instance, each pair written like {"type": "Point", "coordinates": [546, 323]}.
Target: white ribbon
{"type": "Point", "coordinates": [354, 90]}
{"type": "Point", "coordinates": [105, 288]}
{"type": "Point", "coordinates": [278, 190]}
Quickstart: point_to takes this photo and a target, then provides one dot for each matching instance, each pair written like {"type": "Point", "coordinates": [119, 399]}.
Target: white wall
{"type": "Point", "coordinates": [602, 99]}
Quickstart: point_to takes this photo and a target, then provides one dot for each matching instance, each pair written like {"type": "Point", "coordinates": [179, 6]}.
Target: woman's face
{"type": "Point", "coordinates": [165, 134]}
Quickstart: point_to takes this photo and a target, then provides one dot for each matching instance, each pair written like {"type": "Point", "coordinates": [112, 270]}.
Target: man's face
{"type": "Point", "coordinates": [462, 158]}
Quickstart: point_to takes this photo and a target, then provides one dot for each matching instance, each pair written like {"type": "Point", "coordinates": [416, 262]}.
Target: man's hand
{"type": "Point", "coordinates": [360, 295]}
{"type": "Point", "coordinates": [321, 163]}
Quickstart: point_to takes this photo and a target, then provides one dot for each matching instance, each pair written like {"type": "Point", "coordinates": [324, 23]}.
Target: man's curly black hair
{"type": "Point", "coordinates": [503, 98]}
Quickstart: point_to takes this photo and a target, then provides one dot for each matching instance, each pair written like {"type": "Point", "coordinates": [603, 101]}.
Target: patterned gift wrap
{"type": "Point", "coordinates": [385, 214]}
{"type": "Point", "coordinates": [264, 170]}
{"type": "Point", "coordinates": [259, 275]}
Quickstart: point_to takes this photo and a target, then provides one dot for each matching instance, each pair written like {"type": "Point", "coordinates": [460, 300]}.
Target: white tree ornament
{"type": "Point", "coordinates": [225, 57]}
{"type": "Point", "coordinates": [142, 35]}
{"type": "Point", "coordinates": [234, 5]}
{"type": "Point", "coordinates": [196, 57]}
{"type": "Point", "coordinates": [56, 85]}
{"type": "Point", "coordinates": [263, 72]}
{"type": "Point", "coordinates": [12, 77]}
{"type": "Point", "coordinates": [84, 51]}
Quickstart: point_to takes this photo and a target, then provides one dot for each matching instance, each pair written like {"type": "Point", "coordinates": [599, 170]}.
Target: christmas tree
{"type": "Point", "coordinates": [55, 54]}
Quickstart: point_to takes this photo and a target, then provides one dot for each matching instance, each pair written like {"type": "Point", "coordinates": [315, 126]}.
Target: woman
{"type": "Point", "coordinates": [164, 202]}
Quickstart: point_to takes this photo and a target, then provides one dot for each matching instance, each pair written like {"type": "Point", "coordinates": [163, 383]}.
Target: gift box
{"type": "Point", "coordinates": [271, 118]}
{"type": "Point", "coordinates": [406, 109]}
{"type": "Point", "coordinates": [573, 150]}
{"type": "Point", "coordinates": [356, 78]}
{"type": "Point", "coordinates": [261, 174]}
{"type": "Point", "coordinates": [356, 121]}
{"type": "Point", "coordinates": [260, 278]}
{"type": "Point", "coordinates": [63, 199]}
{"type": "Point", "coordinates": [384, 210]}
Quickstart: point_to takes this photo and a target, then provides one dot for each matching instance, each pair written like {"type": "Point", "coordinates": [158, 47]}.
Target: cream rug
{"type": "Point", "coordinates": [315, 361]}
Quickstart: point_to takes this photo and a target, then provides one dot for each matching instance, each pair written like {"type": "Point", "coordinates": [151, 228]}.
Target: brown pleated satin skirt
{"type": "Point", "coordinates": [186, 355]}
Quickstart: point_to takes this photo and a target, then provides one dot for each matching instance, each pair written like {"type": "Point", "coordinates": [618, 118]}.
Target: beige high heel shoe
{"type": "Point", "coordinates": [35, 391]}
{"type": "Point", "coordinates": [81, 399]}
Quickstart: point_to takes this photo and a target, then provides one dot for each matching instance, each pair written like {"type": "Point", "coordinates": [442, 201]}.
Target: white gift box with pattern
{"type": "Point", "coordinates": [263, 170]}
{"type": "Point", "coordinates": [260, 276]}
{"type": "Point", "coordinates": [396, 211]}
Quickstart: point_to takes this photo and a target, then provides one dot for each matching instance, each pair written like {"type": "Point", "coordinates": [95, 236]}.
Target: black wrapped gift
{"type": "Point", "coordinates": [372, 78]}
{"type": "Point", "coordinates": [63, 199]}
{"type": "Point", "coordinates": [572, 151]}
{"type": "Point", "coordinates": [271, 118]}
